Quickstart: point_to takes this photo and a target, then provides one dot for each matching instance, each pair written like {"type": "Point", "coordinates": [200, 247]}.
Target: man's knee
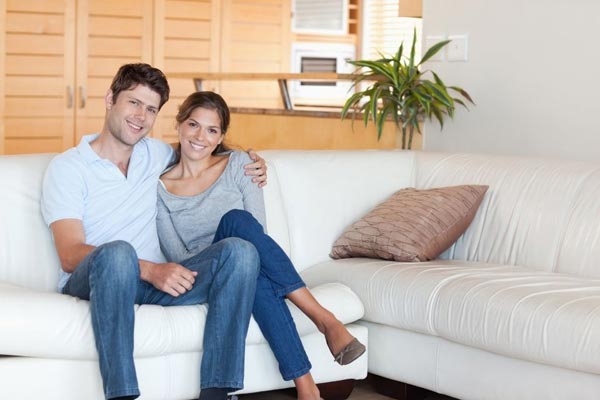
{"type": "Point", "coordinates": [118, 259]}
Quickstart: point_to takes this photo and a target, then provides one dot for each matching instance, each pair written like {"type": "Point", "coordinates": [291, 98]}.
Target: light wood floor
{"type": "Point", "coordinates": [362, 391]}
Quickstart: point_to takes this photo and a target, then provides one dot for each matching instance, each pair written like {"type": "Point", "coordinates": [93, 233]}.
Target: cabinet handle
{"type": "Point", "coordinates": [82, 97]}
{"type": "Point", "coordinates": [69, 96]}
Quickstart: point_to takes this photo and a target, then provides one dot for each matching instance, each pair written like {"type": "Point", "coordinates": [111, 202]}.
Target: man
{"type": "Point", "coordinates": [99, 200]}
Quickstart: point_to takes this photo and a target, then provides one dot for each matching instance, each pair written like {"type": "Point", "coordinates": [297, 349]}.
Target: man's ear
{"type": "Point", "coordinates": [108, 99]}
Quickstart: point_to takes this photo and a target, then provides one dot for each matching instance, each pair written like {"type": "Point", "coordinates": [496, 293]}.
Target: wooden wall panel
{"type": "Point", "coordinates": [188, 9]}
{"type": "Point", "coordinates": [256, 38]}
{"type": "Point", "coordinates": [2, 72]}
{"type": "Point", "coordinates": [129, 8]}
{"type": "Point", "coordinates": [36, 23]}
{"type": "Point", "coordinates": [32, 43]}
{"type": "Point", "coordinates": [110, 33]}
{"type": "Point", "coordinates": [34, 65]}
{"type": "Point", "coordinates": [128, 27]}
{"type": "Point", "coordinates": [38, 42]}
{"type": "Point", "coordinates": [17, 145]}
{"type": "Point", "coordinates": [187, 40]}
{"type": "Point", "coordinates": [260, 132]}
{"type": "Point", "coordinates": [36, 6]}
{"type": "Point", "coordinates": [187, 29]}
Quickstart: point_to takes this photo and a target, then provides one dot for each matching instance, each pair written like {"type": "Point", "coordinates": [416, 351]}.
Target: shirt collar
{"type": "Point", "coordinates": [86, 151]}
{"type": "Point", "coordinates": [90, 156]}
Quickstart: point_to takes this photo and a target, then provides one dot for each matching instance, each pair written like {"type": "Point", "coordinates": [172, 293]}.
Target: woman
{"type": "Point", "coordinates": [204, 198]}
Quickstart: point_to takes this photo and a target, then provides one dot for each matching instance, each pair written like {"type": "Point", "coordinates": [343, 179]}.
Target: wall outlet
{"type": "Point", "coordinates": [456, 50]}
{"type": "Point", "coordinates": [430, 40]}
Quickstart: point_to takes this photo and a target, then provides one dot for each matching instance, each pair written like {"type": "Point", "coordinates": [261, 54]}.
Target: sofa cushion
{"type": "Point", "coordinates": [52, 325]}
{"type": "Point", "coordinates": [532, 315]}
{"type": "Point", "coordinates": [312, 195]}
{"type": "Point", "coordinates": [27, 253]}
{"type": "Point", "coordinates": [412, 225]}
{"type": "Point", "coordinates": [537, 212]}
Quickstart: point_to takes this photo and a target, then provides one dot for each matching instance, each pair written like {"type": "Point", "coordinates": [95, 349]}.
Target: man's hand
{"type": "Point", "coordinates": [258, 169]}
{"type": "Point", "coordinates": [171, 278]}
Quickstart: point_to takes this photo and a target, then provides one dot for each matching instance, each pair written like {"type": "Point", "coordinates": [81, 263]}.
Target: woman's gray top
{"type": "Point", "coordinates": [187, 224]}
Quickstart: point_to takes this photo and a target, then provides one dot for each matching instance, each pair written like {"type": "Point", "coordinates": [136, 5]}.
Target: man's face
{"type": "Point", "coordinates": [132, 115]}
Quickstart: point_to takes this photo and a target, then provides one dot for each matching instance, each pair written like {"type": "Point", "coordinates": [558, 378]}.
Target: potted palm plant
{"type": "Point", "coordinates": [401, 91]}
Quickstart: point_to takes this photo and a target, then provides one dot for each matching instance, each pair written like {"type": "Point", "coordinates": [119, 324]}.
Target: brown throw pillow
{"type": "Point", "coordinates": [412, 225]}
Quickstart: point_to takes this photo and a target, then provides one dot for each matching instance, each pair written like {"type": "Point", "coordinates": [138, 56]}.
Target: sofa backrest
{"type": "Point", "coordinates": [312, 196]}
{"type": "Point", "coordinates": [27, 254]}
{"type": "Point", "coordinates": [539, 213]}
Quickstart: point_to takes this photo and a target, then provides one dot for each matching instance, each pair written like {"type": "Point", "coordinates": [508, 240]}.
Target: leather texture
{"type": "Point", "coordinates": [412, 225]}
{"type": "Point", "coordinates": [317, 194]}
{"type": "Point", "coordinates": [502, 309]}
{"type": "Point", "coordinates": [510, 311]}
{"type": "Point", "coordinates": [41, 325]}
{"type": "Point", "coordinates": [52, 325]}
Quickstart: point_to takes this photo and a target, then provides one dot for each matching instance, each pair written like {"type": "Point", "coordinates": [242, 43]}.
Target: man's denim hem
{"type": "Point", "coordinates": [123, 392]}
{"type": "Point", "coordinates": [296, 374]}
{"type": "Point", "coordinates": [287, 290]}
{"type": "Point", "coordinates": [223, 385]}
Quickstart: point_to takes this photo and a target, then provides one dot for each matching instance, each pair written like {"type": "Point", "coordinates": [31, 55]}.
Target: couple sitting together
{"type": "Point", "coordinates": [135, 222]}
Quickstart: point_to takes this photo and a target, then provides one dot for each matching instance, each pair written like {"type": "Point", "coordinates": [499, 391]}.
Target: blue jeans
{"type": "Point", "coordinates": [109, 277]}
{"type": "Point", "coordinates": [277, 278]}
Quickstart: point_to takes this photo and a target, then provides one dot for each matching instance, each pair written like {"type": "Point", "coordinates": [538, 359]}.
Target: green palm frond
{"type": "Point", "coordinates": [401, 91]}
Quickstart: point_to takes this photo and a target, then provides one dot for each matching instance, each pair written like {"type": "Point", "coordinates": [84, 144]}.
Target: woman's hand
{"type": "Point", "coordinates": [258, 169]}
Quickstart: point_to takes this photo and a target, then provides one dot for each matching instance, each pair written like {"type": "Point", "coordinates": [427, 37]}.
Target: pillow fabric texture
{"type": "Point", "coordinates": [412, 225]}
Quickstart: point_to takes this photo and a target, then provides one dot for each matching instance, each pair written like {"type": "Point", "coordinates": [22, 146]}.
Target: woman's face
{"type": "Point", "coordinates": [200, 134]}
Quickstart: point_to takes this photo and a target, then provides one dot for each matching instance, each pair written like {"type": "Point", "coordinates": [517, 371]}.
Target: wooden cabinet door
{"type": "Point", "coordinates": [110, 33]}
{"type": "Point", "coordinates": [255, 37]}
{"type": "Point", "coordinates": [38, 75]}
{"type": "Point", "coordinates": [186, 40]}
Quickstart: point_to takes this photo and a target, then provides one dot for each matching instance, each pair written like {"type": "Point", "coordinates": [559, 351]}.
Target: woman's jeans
{"type": "Point", "coordinates": [109, 277]}
{"type": "Point", "coordinates": [277, 278]}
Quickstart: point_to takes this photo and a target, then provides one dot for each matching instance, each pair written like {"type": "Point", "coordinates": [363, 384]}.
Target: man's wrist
{"type": "Point", "coordinates": [146, 270]}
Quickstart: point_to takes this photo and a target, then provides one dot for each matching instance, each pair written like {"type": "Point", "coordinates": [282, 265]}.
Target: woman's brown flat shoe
{"type": "Point", "coordinates": [351, 352]}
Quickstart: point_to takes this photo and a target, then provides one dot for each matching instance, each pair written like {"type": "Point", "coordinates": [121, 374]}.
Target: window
{"type": "Point", "coordinates": [328, 17]}
{"type": "Point", "coordinates": [383, 30]}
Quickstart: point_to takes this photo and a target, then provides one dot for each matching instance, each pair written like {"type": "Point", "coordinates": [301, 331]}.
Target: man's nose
{"type": "Point", "coordinates": [140, 113]}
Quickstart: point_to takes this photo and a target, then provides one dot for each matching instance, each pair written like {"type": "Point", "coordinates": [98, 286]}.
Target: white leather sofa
{"type": "Point", "coordinates": [510, 311]}
{"type": "Point", "coordinates": [46, 340]}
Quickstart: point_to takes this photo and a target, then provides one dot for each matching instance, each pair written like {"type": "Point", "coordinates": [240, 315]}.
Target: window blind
{"type": "Point", "coordinates": [320, 16]}
{"type": "Point", "coordinates": [384, 30]}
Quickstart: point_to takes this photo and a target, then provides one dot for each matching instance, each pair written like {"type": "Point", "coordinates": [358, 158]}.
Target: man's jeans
{"type": "Point", "coordinates": [277, 278]}
{"type": "Point", "coordinates": [109, 277]}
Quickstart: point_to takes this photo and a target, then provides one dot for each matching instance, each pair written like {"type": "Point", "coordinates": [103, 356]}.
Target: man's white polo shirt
{"type": "Point", "coordinates": [80, 185]}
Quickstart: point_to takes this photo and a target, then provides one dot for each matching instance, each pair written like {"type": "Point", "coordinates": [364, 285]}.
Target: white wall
{"type": "Point", "coordinates": [534, 71]}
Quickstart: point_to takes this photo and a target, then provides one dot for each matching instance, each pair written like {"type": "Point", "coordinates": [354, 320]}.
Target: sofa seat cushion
{"type": "Point", "coordinates": [52, 325]}
{"type": "Point", "coordinates": [518, 312]}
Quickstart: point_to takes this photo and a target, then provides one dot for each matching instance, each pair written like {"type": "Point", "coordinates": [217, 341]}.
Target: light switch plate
{"type": "Point", "coordinates": [430, 40]}
{"type": "Point", "coordinates": [456, 50]}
